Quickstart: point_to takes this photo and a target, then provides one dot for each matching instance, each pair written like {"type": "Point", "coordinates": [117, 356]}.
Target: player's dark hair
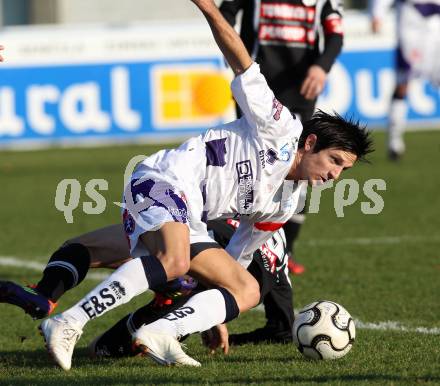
{"type": "Point", "coordinates": [334, 131]}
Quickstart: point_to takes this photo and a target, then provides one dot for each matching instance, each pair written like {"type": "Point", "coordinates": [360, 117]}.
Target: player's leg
{"type": "Point", "coordinates": [156, 222]}
{"type": "Point", "coordinates": [216, 268]}
{"type": "Point", "coordinates": [117, 341]}
{"type": "Point", "coordinates": [236, 291]}
{"type": "Point", "coordinates": [291, 229]}
{"type": "Point", "coordinates": [105, 247]}
{"type": "Point", "coordinates": [67, 268]}
{"type": "Point", "coordinates": [279, 312]}
{"type": "Point", "coordinates": [398, 109]}
{"type": "Point", "coordinates": [136, 275]}
{"type": "Point", "coordinates": [129, 280]}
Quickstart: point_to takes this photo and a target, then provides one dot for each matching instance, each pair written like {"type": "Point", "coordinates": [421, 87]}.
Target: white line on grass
{"type": "Point", "coordinates": [372, 240]}
{"type": "Point", "coordinates": [383, 326]}
{"type": "Point", "coordinates": [9, 261]}
{"type": "Point", "coordinates": [395, 326]}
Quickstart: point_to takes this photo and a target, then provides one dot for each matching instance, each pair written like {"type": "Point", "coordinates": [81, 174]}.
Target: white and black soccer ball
{"type": "Point", "coordinates": [323, 330]}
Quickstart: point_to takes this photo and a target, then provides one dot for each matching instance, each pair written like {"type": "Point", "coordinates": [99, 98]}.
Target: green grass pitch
{"type": "Point", "coordinates": [382, 268]}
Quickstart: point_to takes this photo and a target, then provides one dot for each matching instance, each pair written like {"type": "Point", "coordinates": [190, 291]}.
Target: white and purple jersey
{"type": "Point", "coordinates": [378, 8]}
{"type": "Point", "coordinates": [418, 37]}
{"type": "Point", "coordinates": [233, 170]}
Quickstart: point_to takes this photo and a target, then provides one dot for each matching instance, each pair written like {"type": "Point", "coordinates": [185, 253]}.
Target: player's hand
{"type": "Point", "coordinates": [376, 25]}
{"type": "Point", "coordinates": [314, 82]}
{"type": "Point", "coordinates": [1, 57]}
{"type": "Point", "coordinates": [216, 337]}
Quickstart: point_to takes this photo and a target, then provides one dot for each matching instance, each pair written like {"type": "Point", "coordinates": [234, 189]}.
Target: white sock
{"type": "Point", "coordinates": [120, 287]}
{"type": "Point", "coordinates": [396, 125]}
{"type": "Point", "coordinates": [201, 312]}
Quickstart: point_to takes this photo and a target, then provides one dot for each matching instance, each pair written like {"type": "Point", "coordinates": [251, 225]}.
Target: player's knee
{"type": "Point", "coordinates": [175, 265]}
{"type": "Point", "coordinates": [181, 266]}
{"type": "Point", "coordinates": [249, 295]}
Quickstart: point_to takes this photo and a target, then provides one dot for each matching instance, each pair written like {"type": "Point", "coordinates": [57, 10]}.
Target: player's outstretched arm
{"type": "Point", "coordinates": [227, 39]}
{"type": "Point", "coordinates": [1, 57]}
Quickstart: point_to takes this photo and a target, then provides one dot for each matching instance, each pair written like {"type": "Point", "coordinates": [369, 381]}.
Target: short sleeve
{"type": "Point", "coordinates": [263, 112]}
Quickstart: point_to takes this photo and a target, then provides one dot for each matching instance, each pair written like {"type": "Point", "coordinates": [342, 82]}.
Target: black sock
{"type": "Point", "coordinates": [66, 268]}
{"type": "Point", "coordinates": [154, 271]}
{"type": "Point", "coordinates": [232, 310]}
{"type": "Point", "coordinates": [291, 230]}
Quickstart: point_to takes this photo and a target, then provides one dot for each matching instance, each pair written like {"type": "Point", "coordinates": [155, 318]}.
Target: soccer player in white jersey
{"type": "Point", "coordinates": [108, 248]}
{"type": "Point", "coordinates": [417, 55]}
{"type": "Point", "coordinates": [269, 267]}
{"type": "Point", "coordinates": [249, 168]}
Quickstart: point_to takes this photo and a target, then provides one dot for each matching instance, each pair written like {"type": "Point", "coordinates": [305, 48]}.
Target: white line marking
{"type": "Point", "coordinates": [383, 326]}
{"type": "Point", "coordinates": [395, 326]}
{"type": "Point", "coordinates": [9, 261]}
{"type": "Point", "coordinates": [371, 240]}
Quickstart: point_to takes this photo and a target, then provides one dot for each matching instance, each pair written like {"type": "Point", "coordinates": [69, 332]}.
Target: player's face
{"type": "Point", "coordinates": [327, 164]}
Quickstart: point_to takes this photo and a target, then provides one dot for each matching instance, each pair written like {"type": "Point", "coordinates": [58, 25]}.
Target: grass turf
{"type": "Point", "coordinates": [381, 267]}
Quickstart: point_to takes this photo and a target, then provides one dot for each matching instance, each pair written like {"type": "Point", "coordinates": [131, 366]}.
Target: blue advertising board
{"type": "Point", "coordinates": [115, 101]}
{"type": "Point", "coordinates": [361, 83]}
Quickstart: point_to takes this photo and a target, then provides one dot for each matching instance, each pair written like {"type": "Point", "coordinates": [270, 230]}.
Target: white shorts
{"type": "Point", "coordinates": [152, 200]}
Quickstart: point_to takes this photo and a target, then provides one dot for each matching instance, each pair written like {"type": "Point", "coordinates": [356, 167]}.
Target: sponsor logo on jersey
{"type": "Point", "coordinates": [269, 156]}
{"type": "Point", "coordinates": [289, 12]}
{"type": "Point", "coordinates": [245, 185]}
{"type": "Point", "coordinates": [262, 159]}
{"type": "Point", "coordinates": [276, 104]}
{"type": "Point", "coordinates": [290, 34]}
{"type": "Point", "coordinates": [285, 152]}
{"type": "Point", "coordinates": [287, 23]}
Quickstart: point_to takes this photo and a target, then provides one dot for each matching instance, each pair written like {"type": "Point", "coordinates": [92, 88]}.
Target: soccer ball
{"type": "Point", "coordinates": [323, 330]}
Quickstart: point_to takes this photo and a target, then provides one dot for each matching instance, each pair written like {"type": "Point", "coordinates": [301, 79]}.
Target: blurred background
{"type": "Point", "coordinates": [98, 72]}
{"type": "Point", "coordinates": [25, 12]}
